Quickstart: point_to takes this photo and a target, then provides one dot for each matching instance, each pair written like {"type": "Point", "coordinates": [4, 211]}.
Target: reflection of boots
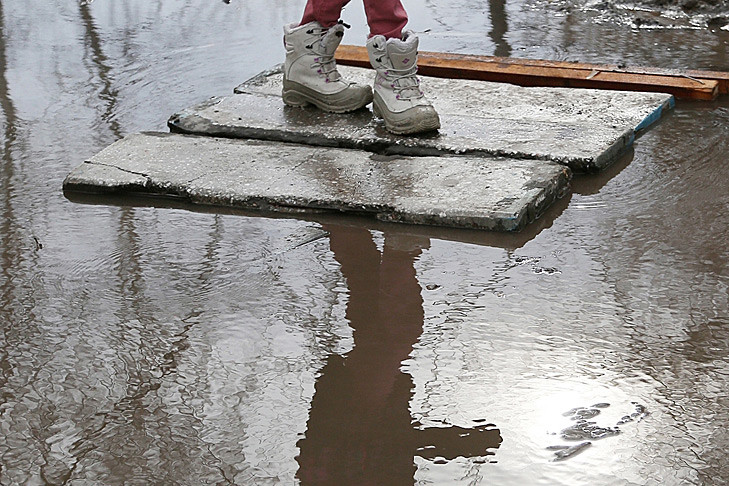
{"type": "Point", "coordinates": [310, 72]}
{"type": "Point", "coordinates": [398, 98]}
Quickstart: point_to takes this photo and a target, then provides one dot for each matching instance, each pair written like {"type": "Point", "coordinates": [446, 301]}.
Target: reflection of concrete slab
{"type": "Point", "coordinates": [458, 191]}
{"type": "Point", "coordinates": [585, 129]}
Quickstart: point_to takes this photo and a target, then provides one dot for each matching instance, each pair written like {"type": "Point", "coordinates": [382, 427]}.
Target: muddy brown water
{"type": "Point", "coordinates": [143, 344]}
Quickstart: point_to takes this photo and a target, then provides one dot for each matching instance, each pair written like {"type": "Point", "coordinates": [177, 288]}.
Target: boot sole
{"type": "Point", "coordinates": [404, 127]}
{"type": "Point", "coordinates": [298, 95]}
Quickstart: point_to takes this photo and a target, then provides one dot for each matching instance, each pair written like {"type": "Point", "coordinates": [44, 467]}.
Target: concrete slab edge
{"type": "Point", "coordinates": [548, 194]}
{"type": "Point", "coordinates": [123, 181]}
{"type": "Point", "coordinates": [497, 221]}
{"type": "Point", "coordinates": [259, 78]}
{"type": "Point", "coordinates": [656, 115]}
{"type": "Point", "coordinates": [585, 165]}
{"type": "Point", "coordinates": [188, 122]}
{"type": "Point", "coordinates": [605, 159]}
{"type": "Point", "coordinates": [192, 124]}
{"type": "Point", "coordinates": [104, 179]}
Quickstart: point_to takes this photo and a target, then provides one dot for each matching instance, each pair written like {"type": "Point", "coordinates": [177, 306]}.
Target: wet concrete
{"type": "Point", "coordinates": [586, 130]}
{"type": "Point", "coordinates": [462, 192]}
{"type": "Point", "coordinates": [143, 345]}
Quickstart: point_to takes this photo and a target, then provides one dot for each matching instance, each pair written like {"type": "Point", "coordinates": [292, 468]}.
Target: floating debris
{"type": "Point", "coordinates": [565, 452]}
{"type": "Point", "coordinates": [585, 430]}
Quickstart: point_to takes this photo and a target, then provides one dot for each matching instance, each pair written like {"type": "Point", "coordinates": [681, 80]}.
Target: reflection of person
{"type": "Point", "coordinates": [360, 430]}
{"type": "Point", "coordinates": [311, 76]}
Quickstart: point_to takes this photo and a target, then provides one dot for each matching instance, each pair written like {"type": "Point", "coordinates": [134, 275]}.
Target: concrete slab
{"type": "Point", "coordinates": [457, 191]}
{"type": "Point", "coordinates": [584, 129]}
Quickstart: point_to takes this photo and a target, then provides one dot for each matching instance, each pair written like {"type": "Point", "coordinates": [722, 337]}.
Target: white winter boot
{"type": "Point", "coordinates": [310, 72]}
{"type": "Point", "coordinates": [398, 98]}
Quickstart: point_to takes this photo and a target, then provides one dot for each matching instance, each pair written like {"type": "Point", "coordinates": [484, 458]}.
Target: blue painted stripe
{"type": "Point", "coordinates": [632, 139]}
{"type": "Point", "coordinates": [656, 115]}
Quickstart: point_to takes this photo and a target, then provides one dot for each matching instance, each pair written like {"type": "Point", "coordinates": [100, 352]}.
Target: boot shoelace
{"type": "Point", "coordinates": [324, 63]}
{"type": "Point", "coordinates": [327, 67]}
{"type": "Point", "coordinates": [405, 83]}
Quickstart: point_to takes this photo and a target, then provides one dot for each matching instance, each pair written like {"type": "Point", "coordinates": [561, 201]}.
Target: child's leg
{"type": "Point", "coordinates": [385, 17]}
{"type": "Point", "coordinates": [326, 12]}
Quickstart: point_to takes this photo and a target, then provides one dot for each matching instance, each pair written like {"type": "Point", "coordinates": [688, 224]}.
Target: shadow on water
{"type": "Point", "coordinates": [360, 427]}
{"type": "Point", "coordinates": [590, 184]}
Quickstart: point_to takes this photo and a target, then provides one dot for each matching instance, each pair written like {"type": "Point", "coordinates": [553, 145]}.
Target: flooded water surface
{"type": "Point", "coordinates": [142, 344]}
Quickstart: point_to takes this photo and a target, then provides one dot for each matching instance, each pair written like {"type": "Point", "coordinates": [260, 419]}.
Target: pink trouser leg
{"type": "Point", "coordinates": [326, 12]}
{"type": "Point", "coordinates": [385, 17]}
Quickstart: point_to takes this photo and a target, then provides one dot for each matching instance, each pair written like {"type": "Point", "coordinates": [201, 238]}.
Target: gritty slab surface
{"type": "Point", "coordinates": [584, 129]}
{"type": "Point", "coordinates": [458, 191]}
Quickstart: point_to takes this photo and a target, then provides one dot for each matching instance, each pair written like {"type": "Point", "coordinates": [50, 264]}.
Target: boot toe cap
{"type": "Point", "coordinates": [418, 119]}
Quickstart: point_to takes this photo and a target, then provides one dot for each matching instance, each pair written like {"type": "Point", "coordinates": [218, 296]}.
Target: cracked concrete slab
{"type": "Point", "coordinates": [584, 129]}
{"type": "Point", "coordinates": [457, 191]}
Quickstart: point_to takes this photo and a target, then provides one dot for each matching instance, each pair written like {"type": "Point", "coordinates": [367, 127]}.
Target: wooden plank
{"type": "Point", "coordinates": [698, 85]}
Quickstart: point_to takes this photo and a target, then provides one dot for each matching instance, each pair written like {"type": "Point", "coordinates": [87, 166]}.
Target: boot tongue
{"type": "Point", "coordinates": [403, 54]}
{"type": "Point", "coordinates": [328, 44]}
{"type": "Point", "coordinates": [331, 40]}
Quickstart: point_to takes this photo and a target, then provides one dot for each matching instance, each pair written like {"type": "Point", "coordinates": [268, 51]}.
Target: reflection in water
{"type": "Point", "coordinates": [9, 244]}
{"type": "Point", "coordinates": [108, 93]}
{"type": "Point", "coordinates": [499, 28]}
{"type": "Point", "coordinates": [360, 427]}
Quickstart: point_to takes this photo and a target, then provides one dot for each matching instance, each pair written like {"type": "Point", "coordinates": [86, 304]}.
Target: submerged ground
{"type": "Point", "coordinates": [145, 345]}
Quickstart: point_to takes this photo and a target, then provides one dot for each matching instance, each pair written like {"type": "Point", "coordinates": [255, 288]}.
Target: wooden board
{"type": "Point", "coordinates": [697, 85]}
